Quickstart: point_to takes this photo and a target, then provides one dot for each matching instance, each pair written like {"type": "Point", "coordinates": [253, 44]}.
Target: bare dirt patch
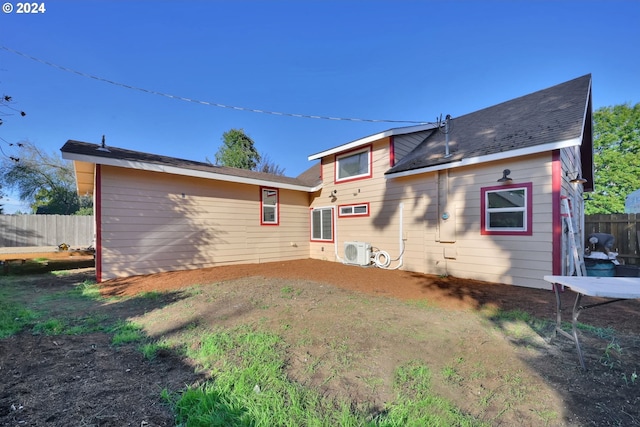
{"type": "Point", "coordinates": [347, 329]}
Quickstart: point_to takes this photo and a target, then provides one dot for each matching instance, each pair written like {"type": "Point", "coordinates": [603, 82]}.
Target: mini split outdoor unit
{"type": "Point", "coordinates": [357, 253]}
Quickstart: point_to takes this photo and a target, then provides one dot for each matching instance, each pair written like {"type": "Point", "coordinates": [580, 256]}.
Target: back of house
{"type": "Point", "coordinates": [477, 196]}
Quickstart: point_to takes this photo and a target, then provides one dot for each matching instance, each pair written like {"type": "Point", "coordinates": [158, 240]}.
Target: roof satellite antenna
{"type": "Point", "coordinates": [103, 147]}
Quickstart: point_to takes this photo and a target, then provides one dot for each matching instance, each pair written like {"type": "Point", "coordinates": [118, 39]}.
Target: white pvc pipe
{"type": "Point", "coordinates": [400, 240]}
{"type": "Point", "coordinates": [335, 236]}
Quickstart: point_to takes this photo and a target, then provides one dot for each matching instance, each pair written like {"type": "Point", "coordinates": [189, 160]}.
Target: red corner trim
{"type": "Point", "coordinates": [556, 222]}
{"type": "Point", "coordinates": [98, 219]}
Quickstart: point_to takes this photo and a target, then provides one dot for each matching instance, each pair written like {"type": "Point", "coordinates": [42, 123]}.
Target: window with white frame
{"type": "Point", "coordinates": [269, 202]}
{"type": "Point", "coordinates": [322, 224]}
{"type": "Point", "coordinates": [507, 210]}
{"type": "Point", "coordinates": [354, 165]}
{"type": "Point", "coordinates": [361, 209]}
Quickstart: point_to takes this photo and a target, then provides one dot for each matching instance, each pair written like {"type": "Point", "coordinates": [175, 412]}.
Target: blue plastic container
{"type": "Point", "coordinates": [598, 268]}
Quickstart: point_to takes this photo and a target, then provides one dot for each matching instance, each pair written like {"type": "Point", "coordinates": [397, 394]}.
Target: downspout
{"type": "Point", "coordinates": [335, 236]}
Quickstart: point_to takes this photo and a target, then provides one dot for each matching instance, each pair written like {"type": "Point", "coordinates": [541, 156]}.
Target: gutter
{"type": "Point", "coordinates": [489, 158]}
{"type": "Point", "coordinates": [152, 167]}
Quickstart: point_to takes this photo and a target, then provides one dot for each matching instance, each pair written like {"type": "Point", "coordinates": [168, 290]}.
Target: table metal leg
{"type": "Point", "coordinates": [577, 309]}
{"type": "Point", "coordinates": [574, 319]}
{"type": "Point", "coordinates": [574, 323]}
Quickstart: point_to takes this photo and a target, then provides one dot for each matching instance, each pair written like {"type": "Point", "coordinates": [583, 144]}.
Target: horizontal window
{"type": "Point", "coordinates": [354, 165]}
{"type": "Point", "coordinates": [361, 209]}
{"type": "Point", "coordinates": [507, 210]}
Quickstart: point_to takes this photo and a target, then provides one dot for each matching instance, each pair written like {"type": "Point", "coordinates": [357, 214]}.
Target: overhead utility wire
{"type": "Point", "coordinates": [212, 104]}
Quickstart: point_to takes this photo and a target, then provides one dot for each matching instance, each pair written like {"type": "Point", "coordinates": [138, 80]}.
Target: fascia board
{"type": "Point", "coordinates": [366, 140]}
{"type": "Point", "coordinates": [490, 158]}
{"type": "Point", "coordinates": [152, 167]}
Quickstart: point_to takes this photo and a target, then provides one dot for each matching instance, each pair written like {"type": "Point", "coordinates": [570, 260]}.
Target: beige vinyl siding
{"type": "Point", "coordinates": [354, 192]}
{"type": "Point", "coordinates": [520, 260]}
{"type": "Point", "coordinates": [381, 227]}
{"type": "Point", "coordinates": [154, 222]}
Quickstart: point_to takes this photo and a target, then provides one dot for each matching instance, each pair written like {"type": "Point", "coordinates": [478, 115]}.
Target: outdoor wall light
{"type": "Point", "coordinates": [505, 176]}
{"type": "Point", "coordinates": [578, 180]}
{"type": "Point", "coordinates": [103, 146]}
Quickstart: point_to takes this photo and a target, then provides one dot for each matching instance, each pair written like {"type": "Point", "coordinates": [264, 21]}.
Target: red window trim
{"type": "Point", "coordinates": [483, 216]}
{"type": "Point", "coordinates": [340, 215]}
{"type": "Point", "coordinates": [262, 206]}
{"type": "Point", "coordinates": [311, 239]}
{"type": "Point", "coordinates": [368, 148]}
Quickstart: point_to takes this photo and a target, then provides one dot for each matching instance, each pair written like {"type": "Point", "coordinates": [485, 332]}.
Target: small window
{"type": "Point", "coordinates": [507, 210]}
{"type": "Point", "coordinates": [354, 210]}
{"type": "Point", "coordinates": [269, 203]}
{"type": "Point", "coordinates": [354, 165]}
{"type": "Point", "coordinates": [322, 224]}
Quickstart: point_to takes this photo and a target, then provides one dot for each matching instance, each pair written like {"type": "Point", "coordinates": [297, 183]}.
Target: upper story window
{"type": "Point", "coordinates": [269, 206]}
{"type": "Point", "coordinates": [507, 210]}
{"type": "Point", "coordinates": [354, 165]}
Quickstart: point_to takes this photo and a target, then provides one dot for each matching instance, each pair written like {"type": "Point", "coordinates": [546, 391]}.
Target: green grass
{"type": "Point", "coordinates": [249, 385]}
{"type": "Point", "coordinates": [288, 292]}
{"type": "Point", "coordinates": [73, 326]}
{"type": "Point", "coordinates": [87, 290]}
{"type": "Point", "coordinates": [50, 327]}
{"type": "Point", "coordinates": [126, 332]}
{"type": "Point", "coordinates": [151, 295]}
{"type": "Point", "coordinates": [150, 350]}
{"type": "Point", "coordinates": [250, 388]}
{"type": "Point", "coordinates": [14, 317]}
{"type": "Point", "coordinates": [543, 326]}
{"type": "Point", "coordinates": [43, 265]}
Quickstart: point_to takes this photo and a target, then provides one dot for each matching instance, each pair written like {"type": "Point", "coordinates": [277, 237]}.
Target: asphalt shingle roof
{"type": "Point", "coordinates": [548, 116]}
{"type": "Point", "coordinates": [89, 149]}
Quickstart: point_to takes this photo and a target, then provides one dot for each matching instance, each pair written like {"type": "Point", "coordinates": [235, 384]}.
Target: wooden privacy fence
{"type": "Point", "coordinates": [625, 229]}
{"type": "Point", "coordinates": [46, 230]}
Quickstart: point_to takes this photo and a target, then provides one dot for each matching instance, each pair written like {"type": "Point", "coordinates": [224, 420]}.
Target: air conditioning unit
{"type": "Point", "coordinates": [357, 253]}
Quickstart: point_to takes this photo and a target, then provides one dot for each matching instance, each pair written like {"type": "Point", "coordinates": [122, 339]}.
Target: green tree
{"type": "Point", "coordinates": [6, 109]}
{"type": "Point", "coordinates": [269, 166]}
{"type": "Point", "coordinates": [43, 180]}
{"type": "Point", "coordinates": [237, 151]}
{"type": "Point", "coordinates": [616, 145]}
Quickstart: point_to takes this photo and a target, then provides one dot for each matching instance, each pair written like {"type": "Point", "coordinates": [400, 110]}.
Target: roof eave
{"type": "Point", "coordinates": [368, 139]}
{"type": "Point", "coordinates": [490, 158]}
{"type": "Point", "coordinates": [153, 167]}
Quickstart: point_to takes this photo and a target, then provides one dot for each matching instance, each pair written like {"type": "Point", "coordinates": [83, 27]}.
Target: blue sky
{"type": "Point", "coordinates": [390, 60]}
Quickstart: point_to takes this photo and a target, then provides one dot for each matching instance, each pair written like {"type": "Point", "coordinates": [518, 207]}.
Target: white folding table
{"type": "Point", "coordinates": [612, 288]}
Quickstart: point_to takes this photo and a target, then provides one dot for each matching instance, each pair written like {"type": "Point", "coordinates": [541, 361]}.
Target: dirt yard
{"type": "Point", "coordinates": [347, 327]}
